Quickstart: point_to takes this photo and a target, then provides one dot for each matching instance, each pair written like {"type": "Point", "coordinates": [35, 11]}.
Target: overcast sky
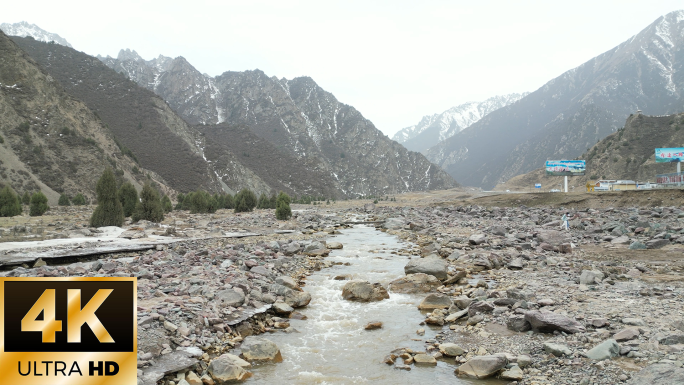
{"type": "Point", "coordinates": [395, 61]}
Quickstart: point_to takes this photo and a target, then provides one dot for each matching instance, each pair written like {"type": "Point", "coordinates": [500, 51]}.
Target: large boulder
{"type": "Point", "coordinates": [604, 351]}
{"type": "Point", "coordinates": [294, 298]}
{"type": "Point", "coordinates": [518, 323]}
{"type": "Point", "coordinates": [658, 374]}
{"type": "Point", "coordinates": [434, 266]}
{"type": "Point", "coordinates": [363, 291]}
{"type": "Point", "coordinates": [547, 322]}
{"type": "Point", "coordinates": [627, 334]}
{"type": "Point", "coordinates": [394, 224]}
{"type": "Point", "coordinates": [451, 350]}
{"type": "Point", "coordinates": [591, 277]}
{"type": "Point", "coordinates": [557, 350]}
{"type": "Point", "coordinates": [224, 370]}
{"type": "Point", "coordinates": [477, 239]}
{"type": "Point", "coordinates": [260, 349]}
{"type": "Point", "coordinates": [480, 307]}
{"type": "Point", "coordinates": [672, 339]}
{"type": "Point", "coordinates": [231, 297]}
{"type": "Point", "coordinates": [482, 366]}
{"type": "Point", "coordinates": [657, 243]}
{"type": "Point", "coordinates": [553, 237]}
{"type": "Point", "coordinates": [415, 283]}
{"type": "Point", "coordinates": [435, 301]}
{"type": "Point", "coordinates": [282, 308]}
{"type": "Point", "coordinates": [287, 282]}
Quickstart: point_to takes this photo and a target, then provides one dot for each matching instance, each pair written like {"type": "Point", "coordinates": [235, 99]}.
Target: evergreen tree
{"type": "Point", "coordinates": [181, 198]}
{"type": "Point", "coordinates": [9, 203]}
{"type": "Point", "coordinates": [109, 211]}
{"type": "Point", "coordinates": [273, 201]}
{"type": "Point", "coordinates": [26, 198]}
{"type": "Point", "coordinates": [64, 200]}
{"type": "Point", "coordinates": [228, 202]}
{"type": "Point", "coordinates": [263, 202]}
{"type": "Point", "coordinates": [283, 211]}
{"type": "Point", "coordinates": [128, 196]}
{"type": "Point", "coordinates": [166, 204]}
{"type": "Point", "coordinates": [38, 204]}
{"type": "Point", "coordinates": [212, 204]}
{"type": "Point", "coordinates": [198, 202]}
{"type": "Point", "coordinates": [150, 207]}
{"type": "Point", "coordinates": [187, 202]}
{"type": "Point", "coordinates": [79, 200]}
{"type": "Point", "coordinates": [220, 200]}
{"type": "Point", "coordinates": [245, 201]}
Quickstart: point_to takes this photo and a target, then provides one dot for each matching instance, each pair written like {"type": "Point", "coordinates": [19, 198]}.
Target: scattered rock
{"type": "Point", "coordinates": [260, 349]}
{"type": "Point", "coordinates": [435, 301]}
{"type": "Point", "coordinates": [604, 351]}
{"type": "Point", "coordinates": [436, 267]}
{"type": "Point", "coordinates": [547, 322]}
{"type": "Point", "coordinates": [363, 291]}
{"type": "Point", "coordinates": [557, 350]}
{"type": "Point", "coordinates": [415, 283]}
{"type": "Point", "coordinates": [424, 360]}
{"type": "Point", "coordinates": [482, 366]}
{"type": "Point", "coordinates": [451, 350]}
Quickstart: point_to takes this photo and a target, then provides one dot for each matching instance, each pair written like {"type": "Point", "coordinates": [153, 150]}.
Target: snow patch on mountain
{"type": "Point", "coordinates": [25, 29]}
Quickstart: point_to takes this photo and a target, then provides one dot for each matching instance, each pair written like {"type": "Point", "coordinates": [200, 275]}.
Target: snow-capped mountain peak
{"type": "Point", "coordinates": [437, 127]}
{"type": "Point", "coordinates": [24, 29]}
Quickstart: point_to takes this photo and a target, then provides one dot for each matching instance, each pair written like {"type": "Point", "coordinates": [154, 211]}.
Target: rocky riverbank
{"type": "Point", "coordinates": [198, 298]}
{"type": "Point", "coordinates": [510, 294]}
{"type": "Point", "coordinates": [522, 300]}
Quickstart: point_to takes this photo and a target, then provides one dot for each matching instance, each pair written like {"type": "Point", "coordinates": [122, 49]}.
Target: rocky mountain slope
{"type": "Point", "coordinates": [627, 153]}
{"type": "Point", "coordinates": [50, 140]}
{"type": "Point", "coordinates": [187, 157]}
{"type": "Point", "coordinates": [437, 127]}
{"type": "Point", "coordinates": [572, 112]}
{"type": "Point", "coordinates": [296, 116]}
{"type": "Point", "coordinates": [24, 29]}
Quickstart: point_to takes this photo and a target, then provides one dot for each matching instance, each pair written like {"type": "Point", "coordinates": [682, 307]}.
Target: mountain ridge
{"type": "Point", "coordinates": [295, 115]}
{"type": "Point", "coordinates": [435, 128]}
{"type": "Point", "coordinates": [25, 29]}
{"type": "Point", "coordinates": [570, 113]}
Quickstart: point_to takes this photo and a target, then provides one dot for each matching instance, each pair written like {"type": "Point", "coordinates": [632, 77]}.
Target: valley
{"type": "Point", "coordinates": [275, 234]}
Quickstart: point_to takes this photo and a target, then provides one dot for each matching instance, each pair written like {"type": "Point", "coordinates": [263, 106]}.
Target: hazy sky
{"type": "Point", "coordinates": [395, 61]}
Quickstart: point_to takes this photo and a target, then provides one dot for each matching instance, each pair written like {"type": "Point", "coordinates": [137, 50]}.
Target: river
{"type": "Point", "coordinates": [332, 346]}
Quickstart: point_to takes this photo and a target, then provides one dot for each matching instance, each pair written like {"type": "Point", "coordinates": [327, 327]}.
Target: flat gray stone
{"type": "Point", "coordinates": [436, 267]}
{"type": "Point", "coordinates": [604, 351]}
{"type": "Point", "coordinates": [547, 322]}
{"type": "Point", "coordinates": [482, 366]}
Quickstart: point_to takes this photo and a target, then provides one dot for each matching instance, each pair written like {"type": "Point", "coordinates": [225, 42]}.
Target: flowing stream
{"type": "Point", "coordinates": [332, 346]}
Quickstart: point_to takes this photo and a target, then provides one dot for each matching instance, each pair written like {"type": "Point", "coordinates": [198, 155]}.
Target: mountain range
{"type": "Point", "coordinates": [267, 134]}
{"type": "Point", "coordinates": [295, 115]}
{"type": "Point", "coordinates": [437, 127]}
{"type": "Point", "coordinates": [572, 112]}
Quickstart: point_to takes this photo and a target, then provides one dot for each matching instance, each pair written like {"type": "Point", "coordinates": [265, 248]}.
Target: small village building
{"type": "Point", "coordinates": [622, 185]}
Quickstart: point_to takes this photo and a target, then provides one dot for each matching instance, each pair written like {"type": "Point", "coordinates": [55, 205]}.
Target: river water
{"type": "Point", "coordinates": [332, 346]}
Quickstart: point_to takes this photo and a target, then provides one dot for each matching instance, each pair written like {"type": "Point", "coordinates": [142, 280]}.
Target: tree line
{"type": "Point", "coordinates": [114, 205]}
